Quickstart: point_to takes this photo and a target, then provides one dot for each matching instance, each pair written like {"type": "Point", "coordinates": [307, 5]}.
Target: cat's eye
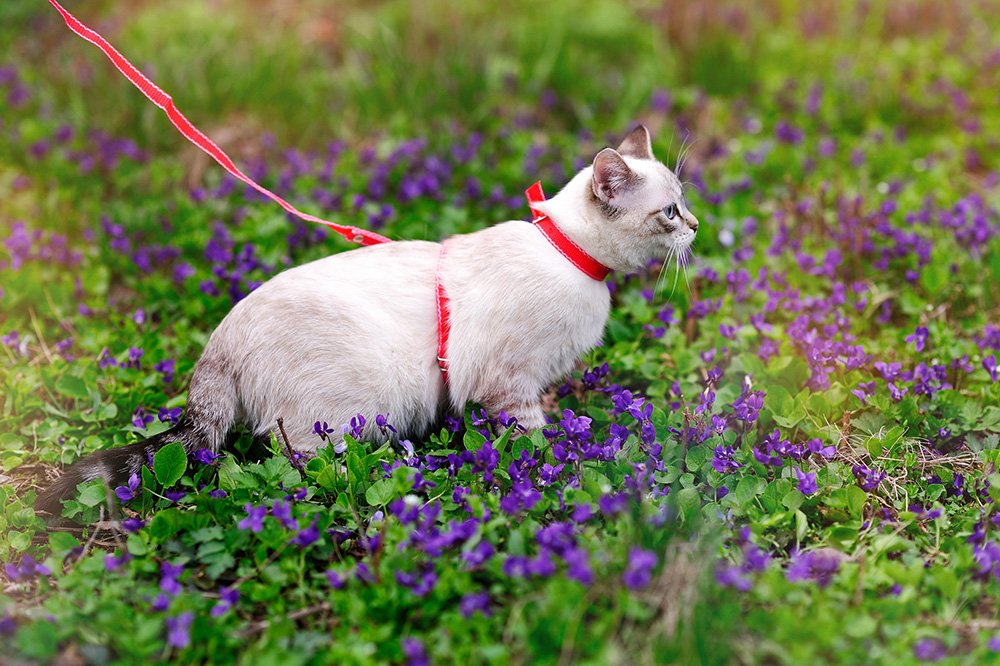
{"type": "Point", "coordinates": [670, 211]}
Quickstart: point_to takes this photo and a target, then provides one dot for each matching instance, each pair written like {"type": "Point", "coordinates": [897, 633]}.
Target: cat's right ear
{"type": "Point", "coordinates": [612, 177]}
{"type": "Point", "coordinates": [637, 144]}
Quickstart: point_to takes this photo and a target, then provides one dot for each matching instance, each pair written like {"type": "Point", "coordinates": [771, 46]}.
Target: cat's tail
{"type": "Point", "coordinates": [206, 421]}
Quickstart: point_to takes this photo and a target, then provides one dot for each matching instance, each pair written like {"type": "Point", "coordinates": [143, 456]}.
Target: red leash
{"type": "Point", "coordinates": [573, 252]}
{"type": "Point", "coordinates": [195, 136]}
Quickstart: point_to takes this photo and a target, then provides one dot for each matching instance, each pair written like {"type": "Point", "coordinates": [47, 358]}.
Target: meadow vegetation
{"type": "Point", "coordinates": [783, 453]}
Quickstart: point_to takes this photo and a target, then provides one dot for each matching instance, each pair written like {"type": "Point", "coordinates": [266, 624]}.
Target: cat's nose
{"type": "Point", "coordinates": [692, 222]}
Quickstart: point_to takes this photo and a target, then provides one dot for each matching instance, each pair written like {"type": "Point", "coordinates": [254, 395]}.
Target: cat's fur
{"type": "Point", "coordinates": [357, 332]}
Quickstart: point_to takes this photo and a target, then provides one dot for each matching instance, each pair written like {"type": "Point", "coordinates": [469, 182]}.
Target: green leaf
{"type": "Point", "coordinates": [380, 492]}
{"type": "Point", "coordinates": [856, 500]}
{"type": "Point", "coordinates": [793, 499]}
{"type": "Point", "coordinates": [473, 440]}
{"type": "Point", "coordinates": [93, 495]}
{"type": "Point", "coordinates": [165, 524]}
{"type": "Point", "coordinates": [169, 464]}
{"type": "Point", "coordinates": [801, 525]}
{"type": "Point", "coordinates": [62, 542]}
{"type": "Point", "coordinates": [19, 541]}
{"type": "Point", "coordinates": [71, 386]}
{"type": "Point", "coordinates": [688, 502]}
{"type": "Point", "coordinates": [328, 478]}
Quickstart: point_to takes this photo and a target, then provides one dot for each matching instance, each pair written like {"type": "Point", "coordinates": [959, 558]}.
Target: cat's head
{"type": "Point", "coordinates": [634, 206]}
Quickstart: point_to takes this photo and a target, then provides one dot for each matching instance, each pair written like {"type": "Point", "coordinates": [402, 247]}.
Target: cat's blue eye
{"type": "Point", "coordinates": [670, 211]}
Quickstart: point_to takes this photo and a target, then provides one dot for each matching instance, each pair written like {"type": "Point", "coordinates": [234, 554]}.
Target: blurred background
{"type": "Point", "coordinates": [308, 71]}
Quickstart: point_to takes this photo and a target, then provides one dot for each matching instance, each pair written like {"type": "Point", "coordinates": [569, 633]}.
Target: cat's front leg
{"type": "Point", "coordinates": [528, 414]}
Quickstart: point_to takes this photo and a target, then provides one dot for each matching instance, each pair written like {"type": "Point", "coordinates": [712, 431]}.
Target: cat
{"type": "Point", "coordinates": [357, 332]}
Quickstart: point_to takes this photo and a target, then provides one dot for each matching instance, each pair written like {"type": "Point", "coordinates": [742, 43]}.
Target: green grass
{"type": "Point", "coordinates": [862, 137]}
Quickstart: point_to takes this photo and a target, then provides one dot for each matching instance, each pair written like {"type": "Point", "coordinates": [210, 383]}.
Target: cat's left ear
{"type": "Point", "coordinates": [637, 144]}
{"type": "Point", "coordinates": [612, 177]}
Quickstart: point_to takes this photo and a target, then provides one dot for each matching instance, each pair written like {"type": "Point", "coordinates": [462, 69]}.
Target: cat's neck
{"type": "Point", "coordinates": [573, 212]}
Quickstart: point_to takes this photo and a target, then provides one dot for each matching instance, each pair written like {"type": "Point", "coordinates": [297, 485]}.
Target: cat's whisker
{"type": "Point", "coordinates": [675, 254]}
{"type": "Point", "coordinates": [662, 272]}
{"type": "Point", "coordinates": [682, 158]}
{"type": "Point", "coordinates": [685, 264]}
{"type": "Point", "coordinates": [679, 162]}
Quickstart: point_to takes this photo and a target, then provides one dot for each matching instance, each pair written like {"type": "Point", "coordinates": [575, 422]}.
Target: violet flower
{"type": "Point", "coordinates": [228, 597]}
{"type": "Point", "coordinates": [179, 630]}
{"type": "Point", "coordinates": [126, 493]}
{"type": "Point", "coordinates": [818, 566]}
{"type": "Point", "coordinates": [919, 338]}
{"type": "Point", "coordinates": [255, 518]}
{"type": "Point", "coordinates": [639, 570]}
{"type": "Point", "coordinates": [807, 481]}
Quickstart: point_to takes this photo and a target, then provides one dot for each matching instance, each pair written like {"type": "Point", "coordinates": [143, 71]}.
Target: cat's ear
{"type": "Point", "coordinates": [612, 177]}
{"type": "Point", "coordinates": [637, 144]}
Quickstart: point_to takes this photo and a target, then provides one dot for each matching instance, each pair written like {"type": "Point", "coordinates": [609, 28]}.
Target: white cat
{"type": "Point", "coordinates": [357, 332]}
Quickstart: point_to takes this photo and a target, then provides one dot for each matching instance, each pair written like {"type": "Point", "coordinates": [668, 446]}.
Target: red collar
{"type": "Point", "coordinates": [575, 254]}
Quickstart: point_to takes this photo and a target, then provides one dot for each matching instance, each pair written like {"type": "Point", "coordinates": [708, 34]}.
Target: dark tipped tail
{"type": "Point", "coordinates": [115, 466]}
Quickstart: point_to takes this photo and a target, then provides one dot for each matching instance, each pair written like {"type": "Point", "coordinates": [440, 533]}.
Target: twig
{"type": "Point", "coordinates": [38, 332]}
{"type": "Point", "coordinates": [262, 625]}
{"type": "Point", "coordinates": [288, 446]}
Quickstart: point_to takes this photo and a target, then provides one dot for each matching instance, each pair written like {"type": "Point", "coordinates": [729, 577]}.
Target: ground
{"type": "Point", "coordinates": [783, 453]}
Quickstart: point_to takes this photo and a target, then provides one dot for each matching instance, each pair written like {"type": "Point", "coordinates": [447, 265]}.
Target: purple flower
{"type": "Point", "coordinates": [639, 570]}
{"type": "Point", "coordinates": [228, 597]}
{"type": "Point", "coordinates": [729, 576]}
{"type": "Point", "coordinates": [382, 421]}
{"type": "Point", "coordinates": [816, 446]}
{"type": "Point", "coordinates": [179, 630]}
{"type": "Point", "coordinates": [336, 580]}
{"type": "Point", "coordinates": [205, 456]}
{"type": "Point", "coordinates": [282, 510]}
{"type": "Point", "coordinates": [420, 583]}
{"type": "Point", "coordinates": [475, 602]}
{"type": "Point", "coordinates": [165, 368]}
{"type": "Point", "coordinates": [994, 643]}
{"type": "Point", "coordinates": [722, 461]}
{"type": "Point", "coordinates": [578, 566]}
{"type": "Point", "coordinates": [168, 578]}
{"type": "Point", "coordinates": [133, 524]}
{"type": "Point", "coordinates": [867, 478]}
{"type": "Point", "coordinates": [255, 518]}
{"type": "Point", "coordinates": [919, 338]}
{"type": "Point", "coordinates": [807, 481]}
{"type": "Point", "coordinates": [308, 536]}
{"type": "Point", "coordinates": [582, 513]}
{"type": "Point", "coordinates": [140, 419]}
{"type": "Point", "coordinates": [26, 570]}
{"type": "Point", "coordinates": [818, 566]}
{"type": "Point", "coordinates": [612, 504]}
{"type": "Point", "coordinates": [126, 493]}
{"type": "Point", "coordinates": [990, 365]}
{"type": "Point", "coordinates": [175, 496]}
{"type": "Point", "coordinates": [415, 652]}
{"type": "Point", "coordinates": [929, 649]}
{"type": "Point", "coordinates": [7, 624]}
{"type": "Point", "coordinates": [322, 430]}
{"type": "Point", "coordinates": [134, 358]}
{"type": "Point", "coordinates": [479, 554]}
{"type": "Point", "coordinates": [356, 429]}
{"type": "Point", "coordinates": [112, 562]}
{"type": "Point", "coordinates": [171, 415]}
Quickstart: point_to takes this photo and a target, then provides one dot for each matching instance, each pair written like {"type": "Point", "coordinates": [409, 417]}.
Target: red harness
{"type": "Point", "coordinates": [573, 253]}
